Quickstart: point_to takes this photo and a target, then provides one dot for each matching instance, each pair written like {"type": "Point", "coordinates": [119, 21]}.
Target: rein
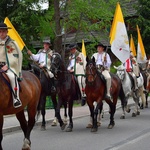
{"type": "Point", "coordinates": [91, 73]}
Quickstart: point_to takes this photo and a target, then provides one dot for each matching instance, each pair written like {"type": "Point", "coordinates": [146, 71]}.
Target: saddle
{"type": "Point", "coordinates": [37, 71]}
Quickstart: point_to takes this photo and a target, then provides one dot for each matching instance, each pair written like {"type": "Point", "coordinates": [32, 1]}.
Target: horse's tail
{"type": "Point", "coordinates": [122, 96]}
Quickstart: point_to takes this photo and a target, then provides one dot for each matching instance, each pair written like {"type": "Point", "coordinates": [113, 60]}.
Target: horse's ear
{"type": "Point", "coordinates": [87, 58]}
{"type": "Point", "coordinates": [93, 59]}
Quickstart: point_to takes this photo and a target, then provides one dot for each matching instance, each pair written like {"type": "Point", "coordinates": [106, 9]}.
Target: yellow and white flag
{"type": "Point", "coordinates": [132, 46]}
{"type": "Point", "coordinates": [83, 48]}
{"type": "Point", "coordinates": [118, 36]}
{"type": "Point", "coordinates": [14, 34]}
{"type": "Point", "coordinates": [141, 56]}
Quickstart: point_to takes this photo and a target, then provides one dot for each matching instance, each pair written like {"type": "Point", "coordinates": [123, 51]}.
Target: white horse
{"type": "Point", "coordinates": [128, 87]}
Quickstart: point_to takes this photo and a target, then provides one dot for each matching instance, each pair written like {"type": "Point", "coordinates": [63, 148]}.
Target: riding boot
{"type": "Point", "coordinates": [83, 101]}
{"type": "Point", "coordinates": [53, 88]}
{"type": "Point", "coordinates": [16, 100]}
{"type": "Point", "coordinates": [15, 89]}
{"type": "Point", "coordinates": [108, 86]}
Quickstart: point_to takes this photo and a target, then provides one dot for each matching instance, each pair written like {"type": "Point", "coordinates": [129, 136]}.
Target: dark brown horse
{"type": "Point", "coordinates": [30, 90]}
{"type": "Point", "coordinates": [67, 89]}
{"type": "Point", "coordinates": [96, 89]}
{"type": "Point", "coordinates": [46, 84]}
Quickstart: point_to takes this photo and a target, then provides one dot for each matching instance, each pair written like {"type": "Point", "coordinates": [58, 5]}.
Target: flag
{"type": "Point", "coordinates": [132, 46]}
{"type": "Point", "coordinates": [118, 36]}
{"type": "Point", "coordinates": [83, 48]}
{"type": "Point", "coordinates": [141, 56]}
{"type": "Point", "coordinates": [14, 34]}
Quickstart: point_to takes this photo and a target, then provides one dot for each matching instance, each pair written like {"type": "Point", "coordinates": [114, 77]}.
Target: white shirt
{"type": "Point", "coordinates": [40, 57]}
{"type": "Point", "coordinates": [99, 59]}
{"type": "Point", "coordinates": [71, 63]}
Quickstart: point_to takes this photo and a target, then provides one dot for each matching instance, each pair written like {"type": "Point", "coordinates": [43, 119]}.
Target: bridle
{"type": "Point", "coordinates": [55, 63]}
{"type": "Point", "coordinates": [119, 73]}
{"type": "Point", "coordinates": [90, 73]}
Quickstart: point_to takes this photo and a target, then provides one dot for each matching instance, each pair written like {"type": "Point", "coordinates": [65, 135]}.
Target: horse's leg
{"type": "Point", "coordinates": [43, 112]}
{"type": "Point", "coordinates": [97, 106]}
{"type": "Point", "coordinates": [112, 106]}
{"type": "Point", "coordinates": [62, 125]}
{"type": "Point", "coordinates": [70, 112]}
{"type": "Point", "coordinates": [1, 130]}
{"type": "Point", "coordinates": [54, 100]}
{"type": "Point", "coordinates": [65, 112]}
{"type": "Point", "coordinates": [141, 89]}
{"type": "Point", "coordinates": [124, 100]}
{"type": "Point", "coordinates": [90, 124]}
{"type": "Point", "coordinates": [100, 115]}
{"type": "Point", "coordinates": [136, 100]}
{"type": "Point", "coordinates": [23, 123]}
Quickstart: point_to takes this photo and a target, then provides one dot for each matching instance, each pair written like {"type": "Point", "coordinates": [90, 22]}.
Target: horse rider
{"type": "Point", "coordinates": [148, 76]}
{"type": "Point", "coordinates": [77, 64]}
{"type": "Point", "coordinates": [43, 60]}
{"type": "Point", "coordinates": [103, 61]}
{"type": "Point", "coordinates": [134, 71]}
{"type": "Point", "coordinates": [11, 62]}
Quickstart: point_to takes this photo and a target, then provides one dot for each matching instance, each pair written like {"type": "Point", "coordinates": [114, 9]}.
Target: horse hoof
{"type": "Point", "coordinates": [110, 126]}
{"type": "Point", "coordinates": [133, 115]}
{"type": "Point", "coordinates": [89, 126]}
{"type": "Point", "coordinates": [122, 117]}
{"type": "Point", "coordinates": [138, 113]}
{"type": "Point", "coordinates": [93, 129]}
{"type": "Point", "coordinates": [146, 106]}
{"type": "Point", "coordinates": [63, 126]}
{"type": "Point", "coordinates": [26, 145]}
{"type": "Point", "coordinates": [98, 124]}
{"type": "Point", "coordinates": [54, 124]}
{"type": "Point", "coordinates": [128, 111]}
{"type": "Point", "coordinates": [69, 129]}
{"type": "Point", "coordinates": [65, 122]}
{"type": "Point", "coordinates": [43, 128]}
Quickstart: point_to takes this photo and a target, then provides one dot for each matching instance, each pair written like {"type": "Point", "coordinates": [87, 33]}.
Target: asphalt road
{"type": "Point", "coordinates": [128, 134]}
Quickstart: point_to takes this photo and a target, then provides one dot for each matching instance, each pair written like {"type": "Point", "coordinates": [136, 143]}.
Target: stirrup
{"type": "Point", "coordinates": [17, 103]}
{"type": "Point", "coordinates": [107, 97]}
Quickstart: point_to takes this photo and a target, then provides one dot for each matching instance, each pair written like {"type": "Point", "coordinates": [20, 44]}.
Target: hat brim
{"type": "Point", "coordinates": [72, 48]}
{"type": "Point", "coordinates": [5, 27]}
{"type": "Point", "coordinates": [101, 46]}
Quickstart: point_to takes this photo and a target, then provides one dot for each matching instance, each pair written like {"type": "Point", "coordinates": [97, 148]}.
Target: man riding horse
{"type": "Point", "coordinates": [43, 60]}
{"type": "Point", "coordinates": [11, 62]}
{"type": "Point", "coordinates": [103, 62]}
{"type": "Point", "coordinates": [76, 66]}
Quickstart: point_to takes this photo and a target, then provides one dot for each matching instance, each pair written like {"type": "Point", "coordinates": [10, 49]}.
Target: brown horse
{"type": "Point", "coordinates": [30, 89]}
{"type": "Point", "coordinates": [96, 89]}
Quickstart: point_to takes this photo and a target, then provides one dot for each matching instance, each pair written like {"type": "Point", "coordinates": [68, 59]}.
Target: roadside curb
{"type": "Point", "coordinates": [49, 121]}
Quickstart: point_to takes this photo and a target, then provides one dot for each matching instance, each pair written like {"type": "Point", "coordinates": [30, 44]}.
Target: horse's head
{"type": "Point", "coordinates": [120, 71]}
{"type": "Point", "coordinates": [91, 70]}
{"type": "Point", "coordinates": [55, 63]}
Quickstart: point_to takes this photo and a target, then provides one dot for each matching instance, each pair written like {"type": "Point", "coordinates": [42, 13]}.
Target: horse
{"type": "Point", "coordinates": [95, 90]}
{"type": "Point", "coordinates": [144, 73]}
{"type": "Point", "coordinates": [128, 87]}
{"type": "Point", "coordinates": [46, 84]}
{"type": "Point", "coordinates": [67, 89]}
{"type": "Point", "coordinates": [30, 89]}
